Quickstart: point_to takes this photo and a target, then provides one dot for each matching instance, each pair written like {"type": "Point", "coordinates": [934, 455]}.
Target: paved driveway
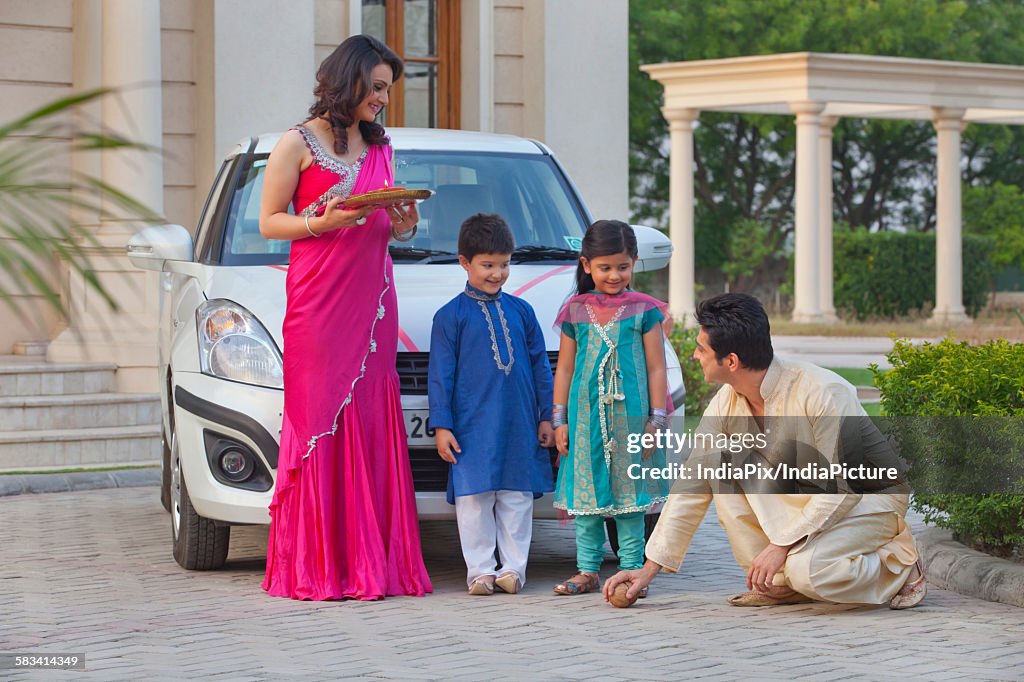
{"type": "Point", "coordinates": [91, 572]}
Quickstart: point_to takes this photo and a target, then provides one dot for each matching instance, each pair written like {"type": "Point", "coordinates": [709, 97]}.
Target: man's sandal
{"type": "Point", "coordinates": [590, 583]}
{"type": "Point", "coordinates": [918, 589]}
{"type": "Point", "coordinates": [762, 599]}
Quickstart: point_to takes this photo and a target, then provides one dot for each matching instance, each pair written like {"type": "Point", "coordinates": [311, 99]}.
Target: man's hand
{"type": "Point", "coordinates": [766, 564]}
{"type": "Point", "coordinates": [562, 439]}
{"type": "Point", "coordinates": [546, 434]}
{"type": "Point", "coordinates": [447, 446]}
{"type": "Point", "coordinates": [640, 578]}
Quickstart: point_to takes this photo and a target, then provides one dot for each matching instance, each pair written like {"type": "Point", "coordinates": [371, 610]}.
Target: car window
{"type": "Point", "coordinates": [527, 190]}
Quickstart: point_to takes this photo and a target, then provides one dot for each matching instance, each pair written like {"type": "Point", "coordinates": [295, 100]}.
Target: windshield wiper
{"type": "Point", "coordinates": [535, 252]}
{"type": "Point", "coordinates": [417, 253]}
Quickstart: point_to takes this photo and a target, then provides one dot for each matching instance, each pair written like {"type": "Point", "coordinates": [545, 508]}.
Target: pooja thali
{"type": "Point", "coordinates": [389, 196]}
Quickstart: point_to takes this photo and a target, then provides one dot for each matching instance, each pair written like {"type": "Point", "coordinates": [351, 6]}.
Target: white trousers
{"type": "Point", "coordinates": [501, 519]}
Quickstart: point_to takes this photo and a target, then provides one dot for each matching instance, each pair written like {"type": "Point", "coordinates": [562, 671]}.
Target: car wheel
{"type": "Point", "coordinates": [199, 544]}
{"type": "Point", "coordinates": [650, 521]}
{"type": "Point", "coordinates": [165, 474]}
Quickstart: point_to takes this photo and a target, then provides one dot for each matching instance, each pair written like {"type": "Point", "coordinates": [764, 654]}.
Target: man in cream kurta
{"type": "Point", "coordinates": [843, 547]}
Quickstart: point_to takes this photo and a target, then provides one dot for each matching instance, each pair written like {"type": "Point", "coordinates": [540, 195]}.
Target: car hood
{"type": "Point", "coordinates": [422, 290]}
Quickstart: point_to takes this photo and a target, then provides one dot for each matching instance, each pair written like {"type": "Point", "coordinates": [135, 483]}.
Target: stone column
{"type": "Point", "coordinates": [681, 270]}
{"type": "Point", "coordinates": [949, 305]}
{"type": "Point", "coordinates": [130, 65]}
{"type": "Point", "coordinates": [826, 275]}
{"type": "Point", "coordinates": [806, 304]}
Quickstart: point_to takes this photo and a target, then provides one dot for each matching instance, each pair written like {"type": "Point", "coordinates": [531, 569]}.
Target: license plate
{"type": "Point", "coordinates": [416, 427]}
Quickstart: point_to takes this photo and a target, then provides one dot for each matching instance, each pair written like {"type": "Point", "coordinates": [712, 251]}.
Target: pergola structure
{"type": "Point", "coordinates": [819, 89]}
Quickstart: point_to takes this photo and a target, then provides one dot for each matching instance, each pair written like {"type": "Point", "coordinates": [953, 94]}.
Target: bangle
{"type": "Point", "coordinates": [557, 421]}
{"type": "Point", "coordinates": [658, 421]}
{"type": "Point", "coordinates": [399, 238]}
{"type": "Point", "coordinates": [310, 229]}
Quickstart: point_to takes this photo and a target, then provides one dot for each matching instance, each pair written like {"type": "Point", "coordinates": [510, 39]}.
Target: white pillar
{"type": "Point", "coordinates": [949, 306]}
{"type": "Point", "coordinates": [681, 270]}
{"type": "Point", "coordinates": [125, 35]}
{"type": "Point", "coordinates": [131, 66]}
{"type": "Point", "coordinates": [826, 299]}
{"type": "Point", "coordinates": [806, 306]}
{"type": "Point", "coordinates": [485, 34]}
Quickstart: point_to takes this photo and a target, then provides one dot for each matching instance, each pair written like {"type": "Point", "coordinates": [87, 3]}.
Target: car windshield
{"type": "Point", "coordinates": [528, 190]}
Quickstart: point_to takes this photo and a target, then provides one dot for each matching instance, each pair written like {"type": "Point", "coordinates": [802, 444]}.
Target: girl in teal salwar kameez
{"type": "Point", "coordinates": [610, 388]}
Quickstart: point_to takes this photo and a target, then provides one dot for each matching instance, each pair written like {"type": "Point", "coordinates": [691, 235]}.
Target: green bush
{"type": "Point", "coordinates": [698, 391]}
{"type": "Point", "coordinates": [957, 379]}
{"type": "Point", "coordinates": [891, 274]}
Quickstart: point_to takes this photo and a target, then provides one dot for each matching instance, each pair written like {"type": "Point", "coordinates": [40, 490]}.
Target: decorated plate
{"type": "Point", "coordinates": [388, 196]}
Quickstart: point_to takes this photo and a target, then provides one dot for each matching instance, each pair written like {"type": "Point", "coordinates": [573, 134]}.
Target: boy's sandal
{"type": "Point", "coordinates": [590, 583]}
{"type": "Point", "coordinates": [761, 599]}
{"type": "Point", "coordinates": [481, 587]}
{"type": "Point", "coordinates": [508, 582]}
{"type": "Point", "coordinates": [918, 589]}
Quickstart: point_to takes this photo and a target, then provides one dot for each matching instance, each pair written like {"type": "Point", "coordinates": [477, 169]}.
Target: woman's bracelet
{"type": "Point", "coordinates": [399, 238]}
{"type": "Point", "coordinates": [310, 229]}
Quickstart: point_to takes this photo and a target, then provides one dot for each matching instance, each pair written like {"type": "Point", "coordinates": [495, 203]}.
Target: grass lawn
{"type": "Point", "coordinates": [856, 376]}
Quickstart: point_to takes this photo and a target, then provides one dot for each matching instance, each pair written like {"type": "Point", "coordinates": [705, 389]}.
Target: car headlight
{"type": "Point", "coordinates": [234, 345]}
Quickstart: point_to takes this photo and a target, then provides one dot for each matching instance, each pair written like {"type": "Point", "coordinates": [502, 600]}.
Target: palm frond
{"type": "Point", "coordinates": [38, 211]}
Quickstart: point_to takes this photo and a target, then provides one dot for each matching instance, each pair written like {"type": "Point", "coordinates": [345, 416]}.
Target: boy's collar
{"type": "Point", "coordinates": [478, 295]}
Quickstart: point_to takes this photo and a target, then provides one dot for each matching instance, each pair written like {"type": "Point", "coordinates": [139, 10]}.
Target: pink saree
{"type": "Point", "coordinates": [343, 515]}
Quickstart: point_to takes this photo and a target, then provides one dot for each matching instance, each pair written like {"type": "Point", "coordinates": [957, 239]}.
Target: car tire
{"type": "Point", "coordinates": [199, 544]}
{"type": "Point", "coordinates": [650, 521]}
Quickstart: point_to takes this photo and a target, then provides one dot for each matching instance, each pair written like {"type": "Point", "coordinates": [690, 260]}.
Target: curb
{"type": "Point", "coordinates": [80, 480]}
{"type": "Point", "coordinates": [956, 567]}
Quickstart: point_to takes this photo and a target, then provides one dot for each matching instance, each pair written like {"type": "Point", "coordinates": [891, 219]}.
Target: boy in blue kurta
{"type": "Point", "coordinates": [490, 404]}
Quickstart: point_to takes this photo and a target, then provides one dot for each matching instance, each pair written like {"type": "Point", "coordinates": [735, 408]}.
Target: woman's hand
{"type": "Point", "coordinates": [403, 217]}
{"type": "Point", "coordinates": [337, 218]}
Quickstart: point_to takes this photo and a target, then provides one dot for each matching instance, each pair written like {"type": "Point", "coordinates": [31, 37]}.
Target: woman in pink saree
{"type": "Point", "coordinates": [343, 515]}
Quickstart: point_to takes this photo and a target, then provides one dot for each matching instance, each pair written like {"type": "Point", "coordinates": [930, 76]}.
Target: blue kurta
{"type": "Point", "coordinates": [491, 400]}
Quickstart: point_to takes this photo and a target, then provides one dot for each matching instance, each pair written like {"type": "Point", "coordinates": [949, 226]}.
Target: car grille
{"type": "Point", "coordinates": [412, 371]}
{"type": "Point", "coordinates": [429, 471]}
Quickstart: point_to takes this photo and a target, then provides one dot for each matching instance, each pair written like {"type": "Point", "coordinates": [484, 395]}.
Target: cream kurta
{"type": "Point", "coordinates": [850, 548]}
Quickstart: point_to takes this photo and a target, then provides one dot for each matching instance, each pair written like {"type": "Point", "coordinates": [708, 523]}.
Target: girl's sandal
{"type": "Point", "coordinates": [590, 583]}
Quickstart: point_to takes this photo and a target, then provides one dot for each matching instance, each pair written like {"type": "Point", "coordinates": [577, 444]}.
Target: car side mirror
{"type": "Point", "coordinates": [154, 245]}
{"type": "Point", "coordinates": [653, 247]}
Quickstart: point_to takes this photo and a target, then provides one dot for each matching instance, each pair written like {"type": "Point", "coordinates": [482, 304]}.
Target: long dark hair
{"type": "Point", "coordinates": [343, 81]}
{"type": "Point", "coordinates": [604, 238]}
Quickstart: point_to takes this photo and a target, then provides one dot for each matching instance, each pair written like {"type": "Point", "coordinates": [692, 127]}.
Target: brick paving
{"type": "Point", "coordinates": [91, 572]}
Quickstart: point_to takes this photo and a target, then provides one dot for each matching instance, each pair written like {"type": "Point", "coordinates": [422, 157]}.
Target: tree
{"type": "Point", "coordinates": [37, 225]}
{"type": "Point", "coordinates": [883, 170]}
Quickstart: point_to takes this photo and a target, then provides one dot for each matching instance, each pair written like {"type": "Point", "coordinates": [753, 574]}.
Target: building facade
{"type": "Point", "coordinates": [192, 77]}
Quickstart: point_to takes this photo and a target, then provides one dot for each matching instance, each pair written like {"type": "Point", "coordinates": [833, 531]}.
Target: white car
{"type": "Point", "coordinates": [222, 303]}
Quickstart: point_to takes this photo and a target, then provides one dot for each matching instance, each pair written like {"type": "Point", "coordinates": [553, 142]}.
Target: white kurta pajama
{"type": "Point", "coordinates": [850, 548]}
